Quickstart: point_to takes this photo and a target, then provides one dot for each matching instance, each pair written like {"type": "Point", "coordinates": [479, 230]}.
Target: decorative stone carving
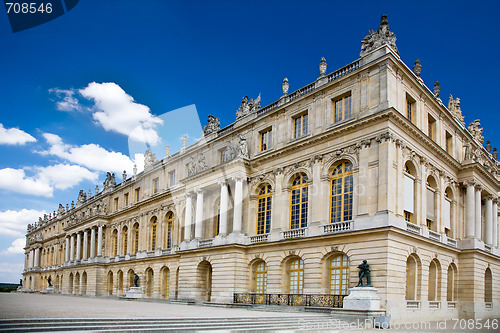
{"type": "Point", "coordinates": [184, 141]}
{"type": "Point", "coordinates": [285, 86]}
{"type": "Point", "coordinates": [454, 108]}
{"type": "Point", "coordinates": [124, 175]}
{"type": "Point", "coordinates": [110, 181]}
{"type": "Point", "coordinates": [212, 126]}
{"type": "Point", "coordinates": [322, 66]}
{"type": "Point", "coordinates": [82, 197]}
{"type": "Point", "coordinates": [437, 89]}
{"type": "Point", "coordinates": [382, 36]}
{"type": "Point", "coordinates": [488, 146]}
{"type": "Point", "coordinates": [149, 159]}
{"type": "Point", "coordinates": [417, 69]}
{"type": "Point", "coordinates": [243, 152]}
{"type": "Point", "coordinates": [248, 106]}
{"type": "Point", "coordinates": [476, 131]}
{"type": "Point", "coordinates": [197, 164]}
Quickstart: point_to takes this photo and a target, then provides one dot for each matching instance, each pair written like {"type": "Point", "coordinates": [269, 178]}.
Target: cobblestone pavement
{"type": "Point", "coordinates": [26, 305]}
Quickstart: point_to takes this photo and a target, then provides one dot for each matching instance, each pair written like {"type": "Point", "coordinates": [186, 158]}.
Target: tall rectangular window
{"type": "Point", "coordinates": [137, 194]}
{"type": "Point", "coordinates": [155, 185]}
{"type": "Point", "coordinates": [265, 140]}
{"type": "Point", "coordinates": [410, 109]}
{"type": "Point", "coordinates": [431, 127]}
{"type": "Point", "coordinates": [224, 155]}
{"type": "Point", "coordinates": [171, 178]}
{"type": "Point", "coordinates": [342, 108]}
{"type": "Point", "coordinates": [125, 199]}
{"type": "Point", "coordinates": [116, 203]}
{"type": "Point", "coordinates": [300, 124]}
{"type": "Point", "coordinates": [449, 143]}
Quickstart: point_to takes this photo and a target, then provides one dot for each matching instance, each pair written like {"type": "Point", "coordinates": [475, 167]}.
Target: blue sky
{"type": "Point", "coordinates": [71, 89]}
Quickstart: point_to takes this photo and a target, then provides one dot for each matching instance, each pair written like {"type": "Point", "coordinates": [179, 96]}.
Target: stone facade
{"type": "Point", "coordinates": [249, 208]}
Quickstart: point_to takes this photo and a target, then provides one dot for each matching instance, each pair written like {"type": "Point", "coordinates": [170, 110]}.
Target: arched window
{"type": "Point", "coordinates": [154, 224]}
{"type": "Point", "coordinates": [411, 278]}
{"type": "Point", "coordinates": [125, 240]}
{"type": "Point", "coordinates": [339, 275]}
{"type": "Point", "coordinates": [452, 285]}
{"type": "Point", "coordinates": [296, 276]}
{"type": "Point", "coordinates": [264, 202]}
{"type": "Point", "coordinates": [341, 193]}
{"type": "Point", "coordinates": [136, 238]}
{"type": "Point", "coordinates": [149, 282]}
{"type": "Point", "coordinates": [114, 240]}
{"type": "Point", "coordinates": [431, 203]}
{"type": "Point", "coordinates": [488, 285]}
{"type": "Point", "coordinates": [434, 281]}
{"type": "Point", "coordinates": [261, 278]}
{"type": "Point", "coordinates": [409, 175]}
{"type": "Point", "coordinates": [299, 202]}
{"type": "Point", "coordinates": [170, 228]}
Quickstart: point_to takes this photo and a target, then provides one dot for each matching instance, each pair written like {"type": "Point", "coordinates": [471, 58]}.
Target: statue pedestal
{"type": "Point", "coordinates": [49, 290]}
{"type": "Point", "coordinates": [134, 292]}
{"type": "Point", "coordinates": [362, 298]}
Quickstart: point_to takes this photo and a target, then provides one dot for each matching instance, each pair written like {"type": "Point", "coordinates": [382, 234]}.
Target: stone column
{"type": "Point", "coordinates": [66, 258]}
{"type": "Point", "coordinates": [85, 244]}
{"type": "Point", "coordinates": [470, 208]}
{"type": "Point", "coordinates": [78, 246]}
{"type": "Point", "coordinates": [494, 221]}
{"type": "Point", "coordinates": [37, 257]}
{"type": "Point", "coordinates": [488, 219]}
{"type": "Point", "coordinates": [99, 241]}
{"type": "Point", "coordinates": [477, 228]}
{"type": "Point", "coordinates": [92, 242]}
{"type": "Point", "coordinates": [224, 195]}
{"type": "Point", "coordinates": [72, 248]}
{"type": "Point", "coordinates": [238, 205]}
{"type": "Point", "coordinates": [188, 218]}
{"type": "Point", "coordinates": [32, 258]}
{"type": "Point", "coordinates": [198, 227]}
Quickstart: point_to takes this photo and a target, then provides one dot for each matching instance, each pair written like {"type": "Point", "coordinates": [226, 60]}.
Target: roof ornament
{"type": "Point", "coordinates": [475, 131]}
{"type": "Point", "coordinates": [454, 108]}
{"type": "Point", "coordinates": [248, 106]}
{"type": "Point", "coordinates": [284, 86]}
{"type": "Point", "coordinates": [322, 67]}
{"type": "Point", "coordinates": [417, 69]}
{"type": "Point", "coordinates": [212, 126]}
{"type": "Point", "coordinates": [375, 39]}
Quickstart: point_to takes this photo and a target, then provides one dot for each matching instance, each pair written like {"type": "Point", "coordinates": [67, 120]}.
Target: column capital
{"type": "Point", "coordinates": [222, 182]}
{"type": "Point", "coordinates": [496, 200]}
{"type": "Point", "coordinates": [479, 187]}
{"type": "Point", "coordinates": [199, 191]}
{"type": "Point", "coordinates": [238, 178]}
{"type": "Point", "coordinates": [489, 197]}
{"type": "Point", "coordinates": [469, 182]}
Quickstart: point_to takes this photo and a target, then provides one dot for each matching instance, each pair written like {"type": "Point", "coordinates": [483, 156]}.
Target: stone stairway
{"type": "Point", "coordinates": [312, 322]}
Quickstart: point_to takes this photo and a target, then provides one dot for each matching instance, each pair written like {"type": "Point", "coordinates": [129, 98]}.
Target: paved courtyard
{"type": "Point", "coordinates": [24, 305]}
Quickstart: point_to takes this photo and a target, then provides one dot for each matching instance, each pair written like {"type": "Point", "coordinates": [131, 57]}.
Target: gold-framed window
{"type": "Point", "coordinates": [264, 203]}
{"type": "Point", "coordinates": [266, 140]}
{"type": "Point", "coordinates": [154, 225]}
{"type": "Point", "coordinates": [339, 275]}
{"type": "Point", "coordinates": [299, 202]}
{"type": "Point", "coordinates": [136, 238]}
{"type": "Point", "coordinates": [341, 192]}
{"type": "Point", "coordinates": [300, 125]}
{"type": "Point", "coordinates": [115, 242]}
{"type": "Point", "coordinates": [296, 276]}
{"type": "Point", "coordinates": [125, 240]}
{"type": "Point", "coordinates": [170, 228]}
{"type": "Point", "coordinates": [261, 278]}
{"type": "Point", "coordinates": [342, 108]}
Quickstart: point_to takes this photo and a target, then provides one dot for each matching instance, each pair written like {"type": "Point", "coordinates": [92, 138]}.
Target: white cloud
{"type": "Point", "coordinates": [15, 180]}
{"type": "Point", "coordinates": [14, 222]}
{"type": "Point", "coordinates": [91, 156]}
{"type": "Point", "coordinates": [69, 102]}
{"type": "Point", "coordinates": [17, 246]}
{"type": "Point", "coordinates": [63, 176]}
{"type": "Point", "coordinates": [60, 176]}
{"type": "Point", "coordinates": [14, 136]}
{"type": "Point", "coordinates": [117, 111]}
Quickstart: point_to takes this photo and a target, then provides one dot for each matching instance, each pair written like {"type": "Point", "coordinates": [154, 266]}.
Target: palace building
{"type": "Point", "coordinates": [282, 205]}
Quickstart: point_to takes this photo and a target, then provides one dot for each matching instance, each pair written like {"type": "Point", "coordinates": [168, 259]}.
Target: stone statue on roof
{"type": "Point", "coordinates": [475, 131]}
{"type": "Point", "coordinates": [454, 108]}
{"type": "Point", "coordinates": [248, 106]}
{"type": "Point", "coordinates": [212, 126]}
{"type": "Point", "coordinates": [149, 159]}
{"type": "Point", "coordinates": [382, 36]}
{"type": "Point", "coordinates": [110, 181]}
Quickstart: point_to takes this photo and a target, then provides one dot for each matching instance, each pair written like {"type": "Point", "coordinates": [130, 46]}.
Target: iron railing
{"type": "Point", "coordinates": [332, 301]}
